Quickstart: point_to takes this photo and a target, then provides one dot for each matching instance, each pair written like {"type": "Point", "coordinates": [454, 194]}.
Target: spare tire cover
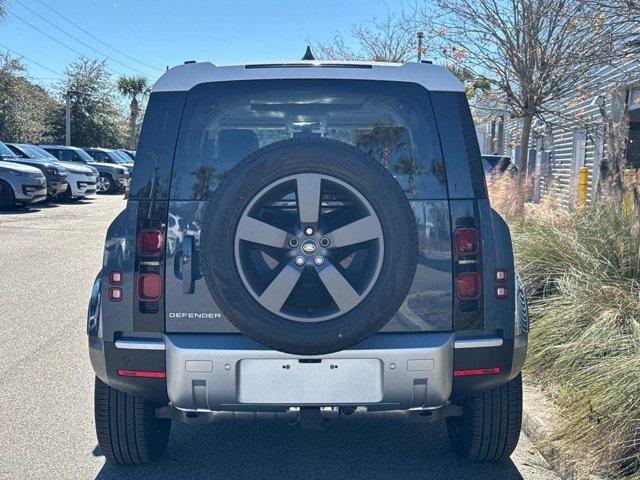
{"type": "Point", "coordinates": [309, 246]}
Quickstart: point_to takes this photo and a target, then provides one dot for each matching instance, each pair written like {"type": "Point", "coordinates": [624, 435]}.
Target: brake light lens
{"type": "Point", "coordinates": [468, 285]}
{"type": "Point", "coordinates": [466, 240]}
{"type": "Point", "coordinates": [150, 242]}
{"type": "Point", "coordinates": [141, 373]}
{"type": "Point", "coordinates": [149, 286]}
{"type": "Point", "coordinates": [476, 372]}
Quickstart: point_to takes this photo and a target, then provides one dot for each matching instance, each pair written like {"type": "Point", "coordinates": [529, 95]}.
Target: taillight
{"type": "Point", "coordinates": [127, 192]}
{"type": "Point", "coordinates": [149, 287]}
{"type": "Point", "coordinates": [468, 285]}
{"type": "Point", "coordinates": [501, 275]}
{"type": "Point", "coordinates": [150, 242]}
{"type": "Point", "coordinates": [466, 240]}
{"type": "Point", "coordinates": [502, 292]}
{"type": "Point", "coordinates": [115, 294]}
{"type": "Point", "coordinates": [115, 277]}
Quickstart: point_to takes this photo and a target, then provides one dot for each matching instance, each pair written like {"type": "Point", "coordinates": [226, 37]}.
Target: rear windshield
{"type": "Point", "coordinates": [224, 122]}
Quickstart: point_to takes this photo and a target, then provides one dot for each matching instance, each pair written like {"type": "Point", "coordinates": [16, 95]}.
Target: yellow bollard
{"type": "Point", "coordinates": [583, 183]}
{"type": "Point", "coordinates": [627, 194]}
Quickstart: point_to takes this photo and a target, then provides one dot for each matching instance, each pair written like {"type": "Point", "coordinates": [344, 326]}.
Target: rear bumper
{"type": "Point", "coordinates": [230, 372]}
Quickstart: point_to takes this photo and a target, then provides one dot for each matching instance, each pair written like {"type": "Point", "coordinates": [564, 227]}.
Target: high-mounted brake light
{"type": "Point", "coordinates": [141, 373]}
{"type": "Point", "coordinates": [468, 285]}
{"type": "Point", "coordinates": [466, 240]}
{"type": "Point", "coordinates": [150, 242]}
{"type": "Point", "coordinates": [149, 286]}
{"type": "Point", "coordinates": [476, 372]}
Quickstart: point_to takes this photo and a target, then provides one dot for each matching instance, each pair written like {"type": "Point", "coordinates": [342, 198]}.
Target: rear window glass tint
{"type": "Point", "coordinates": [224, 122]}
{"type": "Point", "coordinates": [152, 171]}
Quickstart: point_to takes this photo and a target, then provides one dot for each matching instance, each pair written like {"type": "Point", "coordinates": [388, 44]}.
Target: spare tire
{"type": "Point", "coordinates": [309, 246]}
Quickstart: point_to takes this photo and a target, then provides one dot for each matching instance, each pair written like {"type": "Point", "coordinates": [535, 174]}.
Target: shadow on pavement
{"type": "Point", "coordinates": [381, 450]}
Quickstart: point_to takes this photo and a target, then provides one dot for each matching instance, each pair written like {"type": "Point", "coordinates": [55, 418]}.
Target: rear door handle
{"type": "Point", "coordinates": [187, 264]}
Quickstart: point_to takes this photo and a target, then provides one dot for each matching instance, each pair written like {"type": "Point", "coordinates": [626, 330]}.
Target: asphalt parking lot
{"type": "Point", "coordinates": [49, 257]}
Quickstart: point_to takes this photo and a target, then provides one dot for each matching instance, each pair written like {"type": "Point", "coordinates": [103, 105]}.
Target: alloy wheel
{"type": "Point", "coordinates": [309, 247]}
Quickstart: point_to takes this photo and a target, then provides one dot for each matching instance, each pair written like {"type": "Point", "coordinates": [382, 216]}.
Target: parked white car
{"type": "Point", "coordinates": [82, 179]}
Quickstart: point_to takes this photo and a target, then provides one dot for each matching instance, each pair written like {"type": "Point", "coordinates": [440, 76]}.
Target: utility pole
{"type": "Point", "coordinates": [67, 113]}
{"type": "Point", "coordinates": [420, 36]}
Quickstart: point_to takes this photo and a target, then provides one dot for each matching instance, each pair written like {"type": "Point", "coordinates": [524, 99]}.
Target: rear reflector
{"type": "Point", "coordinates": [476, 372]}
{"type": "Point", "coordinates": [466, 240]}
{"type": "Point", "coordinates": [468, 285]}
{"type": "Point", "coordinates": [150, 242]}
{"type": "Point", "coordinates": [141, 373]}
{"type": "Point", "coordinates": [115, 294]}
{"type": "Point", "coordinates": [149, 286]}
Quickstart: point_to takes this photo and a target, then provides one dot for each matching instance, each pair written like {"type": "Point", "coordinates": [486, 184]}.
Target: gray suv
{"type": "Point", "coordinates": [20, 185]}
{"type": "Point", "coordinates": [307, 240]}
{"type": "Point", "coordinates": [111, 178]}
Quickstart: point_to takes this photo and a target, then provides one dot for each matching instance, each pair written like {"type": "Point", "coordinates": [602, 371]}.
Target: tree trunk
{"type": "Point", "coordinates": [133, 122]}
{"type": "Point", "coordinates": [527, 121]}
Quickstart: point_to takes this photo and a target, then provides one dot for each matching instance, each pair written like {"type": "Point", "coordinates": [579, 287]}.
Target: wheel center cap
{"type": "Point", "coordinates": [309, 247]}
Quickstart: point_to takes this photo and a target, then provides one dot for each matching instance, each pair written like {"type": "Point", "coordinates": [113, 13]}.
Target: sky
{"type": "Point", "coordinates": [146, 36]}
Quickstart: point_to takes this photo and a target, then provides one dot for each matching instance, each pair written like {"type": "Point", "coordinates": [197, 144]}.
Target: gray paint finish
{"type": "Point", "coordinates": [428, 306]}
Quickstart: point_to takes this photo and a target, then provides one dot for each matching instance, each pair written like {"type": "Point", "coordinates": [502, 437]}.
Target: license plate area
{"type": "Point", "coordinates": [322, 382]}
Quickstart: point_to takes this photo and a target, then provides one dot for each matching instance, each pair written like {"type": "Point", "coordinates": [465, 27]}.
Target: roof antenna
{"type": "Point", "coordinates": [308, 55]}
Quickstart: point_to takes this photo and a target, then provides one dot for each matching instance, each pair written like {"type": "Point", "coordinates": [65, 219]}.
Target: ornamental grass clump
{"type": "Point", "coordinates": [582, 274]}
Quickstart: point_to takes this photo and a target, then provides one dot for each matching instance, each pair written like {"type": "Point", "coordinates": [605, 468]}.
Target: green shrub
{"type": "Point", "coordinates": [582, 273]}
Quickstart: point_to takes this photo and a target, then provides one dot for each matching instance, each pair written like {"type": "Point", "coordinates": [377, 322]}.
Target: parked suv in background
{"type": "Point", "coordinates": [301, 236]}
{"type": "Point", "coordinates": [111, 178]}
{"type": "Point", "coordinates": [107, 155]}
{"type": "Point", "coordinates": [20, 184]}
{"type": "Point", "coordinates": [55, 174]}
{"type": "Point", "coordinates": [81, 179]}
{"type": "Point", "coordinates": [130, 153]}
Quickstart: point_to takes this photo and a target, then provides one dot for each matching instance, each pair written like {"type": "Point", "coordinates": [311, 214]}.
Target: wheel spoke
{"type": "Point", "coordinates": [308, 195]}
{"type": "Point", "coordinates": [363, 230]}
{"type": "Point", "coordinates": [280, 288]}
{"type": "Point", "coordinates": [343, 294]}
{"type": "Point", "coordinates": [257, 231]}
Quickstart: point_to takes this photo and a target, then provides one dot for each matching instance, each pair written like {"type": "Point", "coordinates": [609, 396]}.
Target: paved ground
{"type": "Point", "coordinates": [48, 259]}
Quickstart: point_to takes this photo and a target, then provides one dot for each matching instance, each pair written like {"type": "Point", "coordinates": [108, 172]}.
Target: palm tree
{"type": "Point", "coordinates": [381, 141]}
{"type": "Point", "coordinates": [133, 87]}
{"type": "Point", "coordinates": [409, 166]}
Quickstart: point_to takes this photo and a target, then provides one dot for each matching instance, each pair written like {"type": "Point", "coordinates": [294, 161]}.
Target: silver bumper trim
{"type": "Point", "coordinates": [233, 373]}
{"type": "Point", "coordinates": [478, 342]}
{"type": "Point", "coordinates": [140, 344]}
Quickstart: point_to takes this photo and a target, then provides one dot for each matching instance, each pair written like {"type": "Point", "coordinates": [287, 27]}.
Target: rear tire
{"type": "Point", "coordinates": [489, 428]}
{"type": "Point", "coordinates": [128, 431]}
{"type": "Point", "coordinates": [7, 197]}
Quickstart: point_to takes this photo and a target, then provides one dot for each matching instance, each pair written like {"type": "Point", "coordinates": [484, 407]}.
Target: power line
{"type": "Point", "coordinates": [79, 40]}
{"type": "Point", "coordinates": [31, 61]}
{"type": "Point", "coordinates": [54, 39]}
{"type": "Point", "coordinates": [97, 39]}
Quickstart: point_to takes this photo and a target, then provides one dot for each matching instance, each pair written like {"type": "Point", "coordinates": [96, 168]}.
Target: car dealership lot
{"type": "Point", "coordinates": [49, 256]}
